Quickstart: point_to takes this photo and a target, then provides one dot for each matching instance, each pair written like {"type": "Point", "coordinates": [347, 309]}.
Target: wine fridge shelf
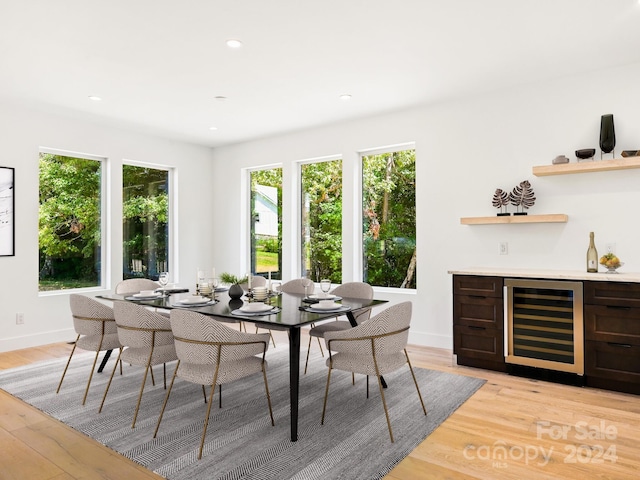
{"type": "Point", "coordinates": [587, 166]}
{"type": "Point", "coordinates": [549, 218]}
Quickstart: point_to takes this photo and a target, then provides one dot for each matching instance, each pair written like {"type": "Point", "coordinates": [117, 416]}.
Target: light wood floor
{"type": "Point", "coordinates": [512, 428]}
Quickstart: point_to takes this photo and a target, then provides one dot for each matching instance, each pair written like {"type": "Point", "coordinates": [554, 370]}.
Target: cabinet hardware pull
{"type": "Point", "coordinates": [623, 345]}
{"type": "Point", "coordinates": [475, 327]}
{"type": "Point", "coordinates": [619, 307]}
{"type": "Point", "coordinates": [478, 296]}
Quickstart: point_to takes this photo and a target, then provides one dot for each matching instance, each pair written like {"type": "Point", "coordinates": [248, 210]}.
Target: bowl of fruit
{"type": "Point", "coordinates": [610, 262]}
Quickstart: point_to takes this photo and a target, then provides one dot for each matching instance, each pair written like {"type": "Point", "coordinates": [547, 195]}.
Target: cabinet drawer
{"type": "Point", "coordinates": [612, 324]}
{"type": "Point", "coordinates": [478, 342]}
{"type": "Point", "coordinates": [615, 362]}
{"type": "Point", "coordinates": [617, 294]}
{"type": "Point", "coordinates": [477, 285]}
{"type": "Point", "coordinates": [478, 311]}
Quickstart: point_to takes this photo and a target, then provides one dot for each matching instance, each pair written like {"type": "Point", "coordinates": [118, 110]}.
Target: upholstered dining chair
{"type": "Point", "coordinates": [210, 354]}
{"type": "Point", "coordinates": [95, 324]}
{"type": "Point", "coordinates": [146, 339]}
{"type": "Point", "coordinates": [297, 286]}
{"type": "Point", "coordinates": [135, 285]}
{"type": "Point", "coordinates": [375, 347]}
{"type": "Point", "coordinates": [348, 290]}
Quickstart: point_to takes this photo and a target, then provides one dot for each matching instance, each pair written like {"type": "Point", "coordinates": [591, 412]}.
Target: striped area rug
{"type": "Point", "coordinates": [241, 443]}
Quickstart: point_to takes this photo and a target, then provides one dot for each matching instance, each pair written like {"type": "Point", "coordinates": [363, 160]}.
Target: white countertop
{"type": "Point", "coordinates": [633, 277]}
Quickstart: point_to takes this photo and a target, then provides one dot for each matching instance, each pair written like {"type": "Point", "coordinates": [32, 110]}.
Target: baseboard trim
{"type": "Point", "coordinates": [35, 340]}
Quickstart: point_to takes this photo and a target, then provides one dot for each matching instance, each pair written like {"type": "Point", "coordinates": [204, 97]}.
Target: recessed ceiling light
{"type": "Point", "coordinates": [345, 97]}
{"type": "Point", "coordinates": [220, 98]}
{"type": "Point", "coordinates": [233, 43]}
{"type": "Point", "coordinates": [213, 128]}
{"type": "Point", "coordinates": [95, 98]}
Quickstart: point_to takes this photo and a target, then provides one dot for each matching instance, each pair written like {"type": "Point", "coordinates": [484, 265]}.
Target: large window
{"type": "Point", "coordinates": [321, 220]}
{"type": "Point", "coordinates": [389, 218]}
{"type": "Point", "coordinates": [266, 222]}
{"type": "Point", "coordinates": [70, 222]}
{"type": "Point", "coordinates": [145, 217]}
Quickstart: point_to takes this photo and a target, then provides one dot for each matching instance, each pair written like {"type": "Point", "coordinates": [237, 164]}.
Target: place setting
{"type": "Point", "coordinates": [145, 295]}
{"type": "Point", "coordinates": [251, 309]}
{"type": "Point", "coordinates": [327, 306]}
{"type": "Point", "coordinates": [194, 301]}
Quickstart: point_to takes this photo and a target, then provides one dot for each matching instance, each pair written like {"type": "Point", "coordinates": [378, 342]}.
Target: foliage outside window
{"type": "Point", "coordinates": [70, 234]}
{"type": "Point", "coordinates": [321, 220]}
{"type": "Point", "coordinates": [389, 219]}
{"type": "Point", "coordinates": [145, 217]}
{"type": "Point", "coordinates": [266, 222]}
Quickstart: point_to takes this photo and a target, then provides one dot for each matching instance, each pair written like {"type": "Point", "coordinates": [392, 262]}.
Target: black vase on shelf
{"type": "Point", "coordinates": [607, 135]}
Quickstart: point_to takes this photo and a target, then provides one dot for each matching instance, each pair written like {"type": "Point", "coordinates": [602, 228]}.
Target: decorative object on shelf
{"type": "Point", "coordinates": [585, 153]}
{"type": "Point", "coordinates": [560, 159]}
{"type": "Point", "coordinates": [522, 196]}
{"type": "Point", "coordinates": [631, 153]}
{"type": "Point", "coordinates": [501, 200]}
{"type": "Point", "coordinates": [607, 135]}
{"type": "Point", "coordinates": [611, 262]}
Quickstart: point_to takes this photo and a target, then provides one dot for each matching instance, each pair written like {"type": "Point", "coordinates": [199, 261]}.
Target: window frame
{"type": "Point", "coordinates": [105, 220]}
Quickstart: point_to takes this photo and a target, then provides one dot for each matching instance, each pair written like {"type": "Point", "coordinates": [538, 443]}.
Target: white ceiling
{"type": "Point", "coordinates": [158, 65]}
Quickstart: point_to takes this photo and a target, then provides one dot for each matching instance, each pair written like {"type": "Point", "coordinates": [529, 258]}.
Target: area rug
{"type": "Point", "coordinates": [241, 443]}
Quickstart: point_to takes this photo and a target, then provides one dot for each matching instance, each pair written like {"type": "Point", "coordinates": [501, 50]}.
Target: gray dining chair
{"type": "Point", "coordinates": [135, 285]}
{"type": "Point", "coordinates": [146, 339]}
{"type": "Point", "coordinates": [296, 286]}
{"type": "Point", "coordinates": [375, 347]}
{"type": "Point", "coordinates": [210, 353]}
{"type": "Point", "coordinates": [95, 325]}
{"type": "Point", "coordinates": [349, 290]}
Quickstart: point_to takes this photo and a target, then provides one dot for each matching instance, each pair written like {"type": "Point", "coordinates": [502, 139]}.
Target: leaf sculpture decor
{"type": "Point", "coordinates": [522, 196]}
{"type": "Point", "coordinates": [501, 200]}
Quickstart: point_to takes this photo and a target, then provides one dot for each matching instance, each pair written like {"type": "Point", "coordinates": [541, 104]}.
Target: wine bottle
{"type": "Point", "coordinates": [592, 256]}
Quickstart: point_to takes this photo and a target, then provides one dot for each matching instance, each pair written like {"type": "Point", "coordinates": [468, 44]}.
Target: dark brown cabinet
{"type": "Point", "coordinates": [612, 335]}
{"type": "Point", "coordinates": [478, 322]}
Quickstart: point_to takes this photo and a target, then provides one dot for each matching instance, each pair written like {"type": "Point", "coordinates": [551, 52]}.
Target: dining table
{"type": "Point", "coordinates": [290, 312]}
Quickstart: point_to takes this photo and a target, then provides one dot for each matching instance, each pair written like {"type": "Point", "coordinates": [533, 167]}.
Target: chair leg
{"type": "Point", "coordinates": [206, 421]}
{"type": "Point", "coordinates": [266, 387]}
{"type": "Point", "coordinates": [384, 404]}
{"type": "Point", "coordinates": [326, 394]}
{"type": "Point", "coordinates": [353, 378]}
{"type": "Point", "coordinates": [166, 399]}
{"type": "Point", "coordinates": [68, 362]}
{"type": "Point", "coordinates": [220, 396]}
{"type": "Point", "coordinates": [153, 380]}
{"type": "Point", "coordinates": [204, 393]}
{"type": "Point", "coordinates": [415, 381]}
{"type": "Point", "coordinates": [367, 385]}
{"type": "Point", "coordinates": [106, 390]}
{"type": "Point", "coordinates": [144, 380]}
{"type": "Point", "coordinates": [93, 367]}
{"type": "Point", "coordinates": [320, 345]}
{"type": "Point", "coordinates": [306, 364]}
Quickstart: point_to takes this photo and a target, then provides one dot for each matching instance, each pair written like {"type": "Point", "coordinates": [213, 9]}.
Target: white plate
{"type": "Point", "coordinates": [333, 306]}
{"type": "Point", "coordinates": [146, 297]}
{"type": "Point", "coordinates": [194, 301]}
{"type": "Point", "coordinates": [340, 309]}
{"type": "Point", "coordinates": [263, 308]}
{"type": "Point", "coordinates": [319, 296]}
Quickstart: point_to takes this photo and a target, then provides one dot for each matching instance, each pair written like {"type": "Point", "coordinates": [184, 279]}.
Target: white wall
{"type": "Point", "coordinates": [22, 132]}
{"type": "Point", "coordinates": [465, 150]}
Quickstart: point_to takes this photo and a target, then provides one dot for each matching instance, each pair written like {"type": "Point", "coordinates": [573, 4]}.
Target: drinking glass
{"type": "Point", "coordinates": [306, 283]}
{"type": "Point", "coordinates": [325, 286]}
{"type": "Point", "coordinates": [163, 280]}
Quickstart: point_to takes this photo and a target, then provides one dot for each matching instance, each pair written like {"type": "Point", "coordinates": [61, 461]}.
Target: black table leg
{"type": "Point", "coordinates": [107, 354]}
{"type": "Point", "coordinates": [294, 379]}
{"type": "Point", "coordinates": [352, 321]}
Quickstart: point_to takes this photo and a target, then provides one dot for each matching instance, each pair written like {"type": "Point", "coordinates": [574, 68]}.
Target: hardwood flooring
{"type": "Point", "coordinates": [512, 428]}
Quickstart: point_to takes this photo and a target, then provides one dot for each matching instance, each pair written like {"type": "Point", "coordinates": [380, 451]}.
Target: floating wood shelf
{"type": "Point", "coordinates": [587, 166]}
{"type": "Point", "coordinates": [550, 218]}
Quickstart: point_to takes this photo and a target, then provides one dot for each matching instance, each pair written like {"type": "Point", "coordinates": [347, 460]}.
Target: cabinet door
{"type": "Point", "coordinates": [479, 347]}
{"type": "Point", "coordinates": [608, 323]}
{"type": "Point", "coordinates": [478, 311]}
{"type": "Point", "coordinates": [613, 365]}
{"type": "Point", "coordinates": [618, 294]}
{"type": "Point", "coordinates": [477, 285]}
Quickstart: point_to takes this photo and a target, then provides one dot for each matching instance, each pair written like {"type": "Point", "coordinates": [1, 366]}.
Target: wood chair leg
{"type": "Point", "coordinates": [266, 387]}
{"type": "Point", "coordinates": [93, 367]}
{"type": "Point", "coordinates": [166, 399]}
{"type": "Point", "coordinates": [415, 381]}
{"type": "Point", "coordinates": [326, 394]}
{"type": "Point", "coordinates": [384, 404]}
{"type": "Point", "coordinates": [106, 390]}
{"type": "Point", "coordinates": [306, 364]}
{"type": "Point", "coordinates": [68, 362]}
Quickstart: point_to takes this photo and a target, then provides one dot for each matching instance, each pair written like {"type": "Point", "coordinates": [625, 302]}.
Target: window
{"type": "Point", "coordinates": [389, 218]}
{"type": "Point", "coordinates": [266, 222]}
{"type": "Point", "coordinates": [145, 217]}
{"type": "Point", "coordinates": [321, 220]}
{"type": "Point", "coordinates": [70, 222]}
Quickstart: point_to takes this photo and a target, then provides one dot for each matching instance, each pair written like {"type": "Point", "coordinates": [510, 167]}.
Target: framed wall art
{"type": "Point", "coordinates": [7, 209]}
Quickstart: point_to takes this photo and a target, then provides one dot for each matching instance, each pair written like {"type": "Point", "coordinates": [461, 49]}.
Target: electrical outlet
{"type": "Point", "coordinates": [504, 248]}
{"type": "Point", "coordinates": [19, 318]}
{"type": "Point", "coordinates": [611, 247]}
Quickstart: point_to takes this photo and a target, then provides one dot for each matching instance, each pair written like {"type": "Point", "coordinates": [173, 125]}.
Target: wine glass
{"type": "Point", "coordinates": [306, 283]}
{"type": "Point", "coordinates": [163, 280]}
{"type": "Point", "coordinates": [325, 286]}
